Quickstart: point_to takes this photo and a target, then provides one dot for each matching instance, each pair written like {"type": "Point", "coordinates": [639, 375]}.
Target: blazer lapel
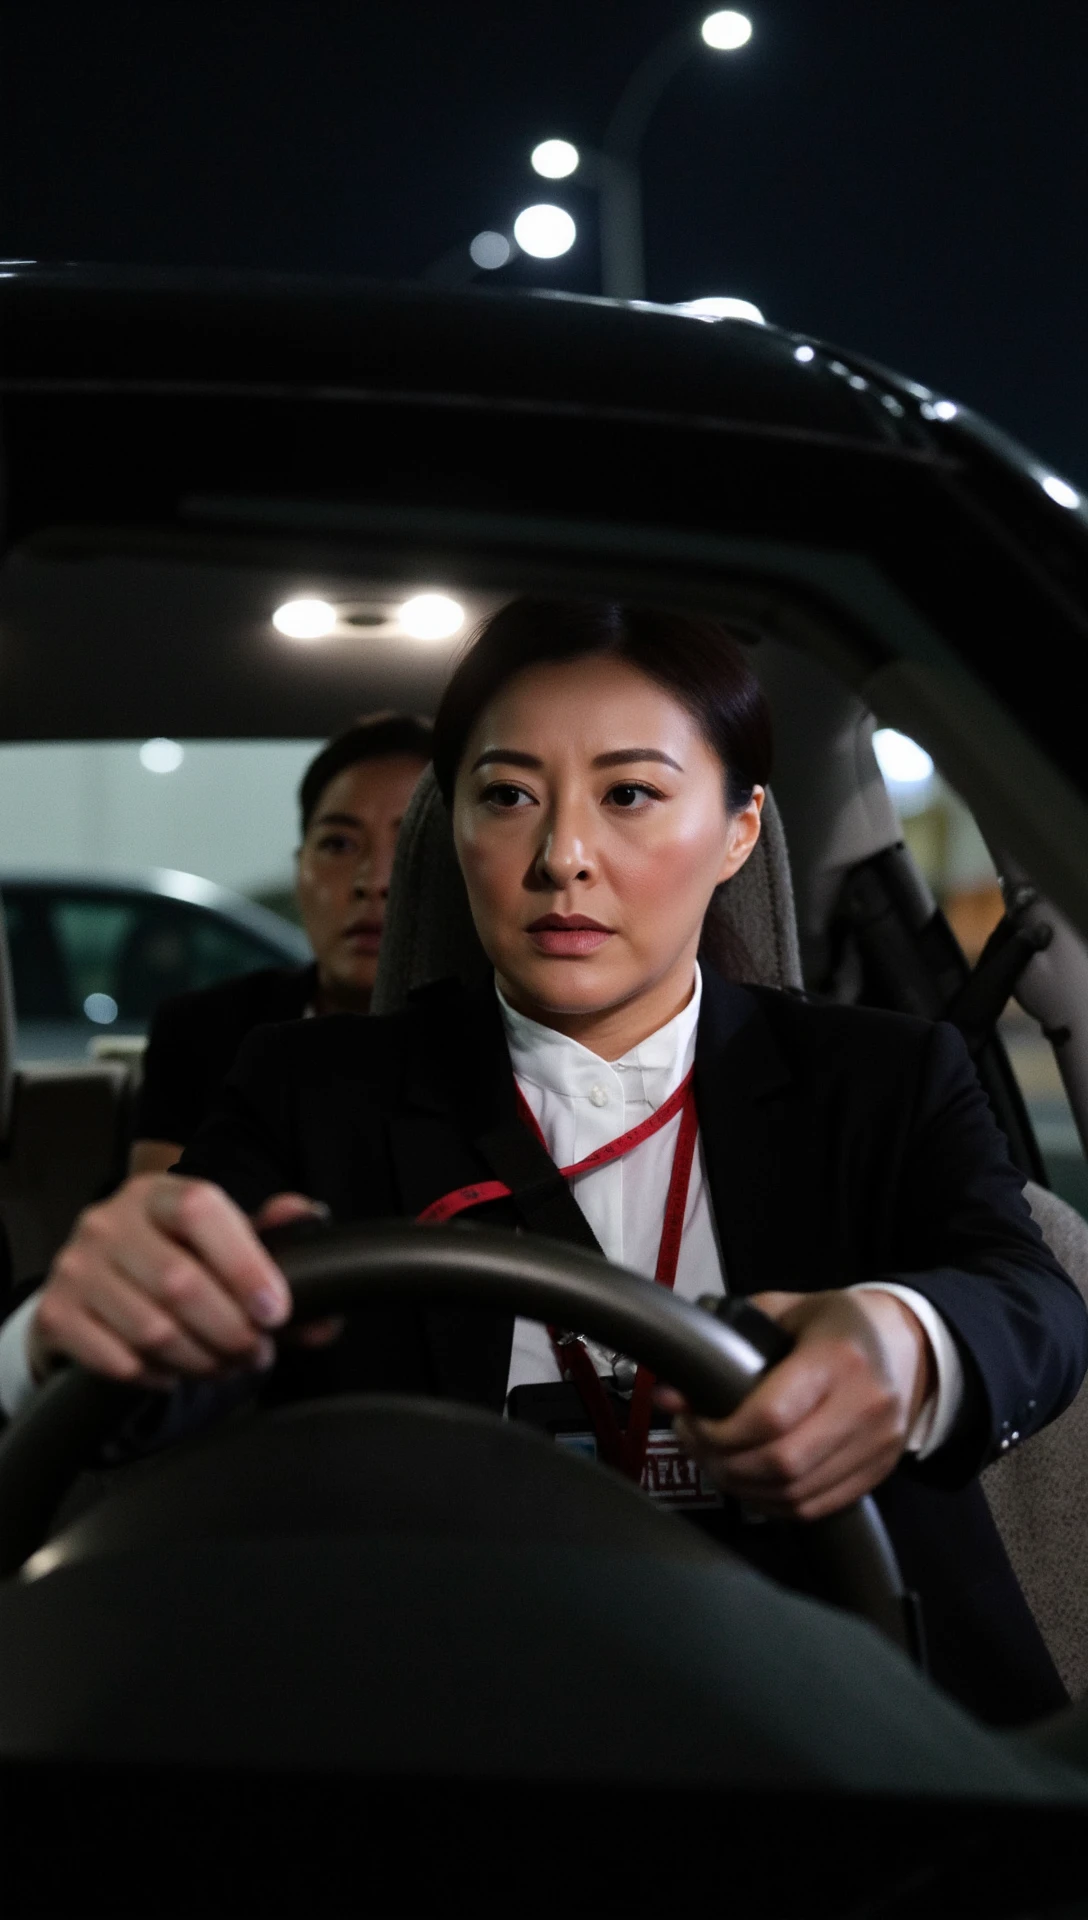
{"type": "Point", "coordinates": [457, 1086]}
{"type": "Point", "coordinates": [740, 1074]}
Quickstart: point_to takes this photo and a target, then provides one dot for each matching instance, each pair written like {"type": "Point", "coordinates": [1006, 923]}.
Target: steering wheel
{"type": "Point", "coordinates": [714, 1359]}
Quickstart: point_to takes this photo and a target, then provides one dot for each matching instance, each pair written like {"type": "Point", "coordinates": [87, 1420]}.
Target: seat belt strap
{"type": "Point", "coordinates": [537, 1186]}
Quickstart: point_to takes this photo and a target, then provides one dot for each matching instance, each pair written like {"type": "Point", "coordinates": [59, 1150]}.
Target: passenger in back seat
{"type": "Point", "coordinates": [351, 802]}
{"type": "Point", "coordinates": [604, 767]}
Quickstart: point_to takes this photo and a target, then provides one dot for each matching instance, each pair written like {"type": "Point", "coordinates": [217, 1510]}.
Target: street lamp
{"type": "Point", "coordinates": [554, 159]}
{"type": "Point", "coordinates": [614, 170]}
{"type": "Point", "coordinates": [545, 231]}
{"type": "Point", "coordinates": [726, 31]}
{"type": "Point", "coordinates": [489, 250]}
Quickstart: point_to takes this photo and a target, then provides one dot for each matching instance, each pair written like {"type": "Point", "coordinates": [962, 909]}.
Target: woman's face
{"type": "Point", "coordinates": [591, 826]}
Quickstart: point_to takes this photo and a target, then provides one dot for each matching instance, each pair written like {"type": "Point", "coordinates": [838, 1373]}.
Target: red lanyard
{"type": "Point", "coordinates": [621, 1447]}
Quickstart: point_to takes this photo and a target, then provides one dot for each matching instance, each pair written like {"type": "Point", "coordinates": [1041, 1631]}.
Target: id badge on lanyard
{"type": "Point", "coordinates": [621, 1428]}
{"type": "Point", "coordinates": [669, 1476]}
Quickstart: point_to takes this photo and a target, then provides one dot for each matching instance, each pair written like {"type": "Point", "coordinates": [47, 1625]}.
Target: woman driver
{"type": "Point", "coordinates": [605, 771]}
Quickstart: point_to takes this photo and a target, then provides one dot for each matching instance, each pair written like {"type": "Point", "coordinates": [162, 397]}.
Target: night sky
{"type": "Point", "coordinates": [905, 177]}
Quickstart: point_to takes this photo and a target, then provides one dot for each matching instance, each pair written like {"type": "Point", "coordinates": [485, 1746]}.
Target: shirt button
{"type": "Point", "coordinates": [598, 1096]}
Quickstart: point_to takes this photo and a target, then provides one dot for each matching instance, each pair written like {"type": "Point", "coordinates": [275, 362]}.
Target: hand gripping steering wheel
{"type": "Point", "coordinates": [711, 1358]}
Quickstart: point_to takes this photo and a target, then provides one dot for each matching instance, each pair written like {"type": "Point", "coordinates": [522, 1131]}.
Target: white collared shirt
{"type": "Point", "coordinates": [581, 1102]}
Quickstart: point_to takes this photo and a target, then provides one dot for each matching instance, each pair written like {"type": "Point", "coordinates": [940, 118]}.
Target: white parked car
{"type": "Point", "coordinates": [92, 957]}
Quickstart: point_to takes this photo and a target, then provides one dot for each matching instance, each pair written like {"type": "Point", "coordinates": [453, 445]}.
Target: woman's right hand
{"type": "Point", "coordinates": [166, 1278]}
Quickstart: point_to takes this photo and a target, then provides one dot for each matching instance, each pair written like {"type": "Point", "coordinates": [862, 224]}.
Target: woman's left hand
{"type": "Point", "coordinates": [830, 1421]}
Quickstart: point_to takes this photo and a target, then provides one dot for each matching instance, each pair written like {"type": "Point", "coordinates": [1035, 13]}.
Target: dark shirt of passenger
{"type": "Point", "coordinates": [194, 1039]}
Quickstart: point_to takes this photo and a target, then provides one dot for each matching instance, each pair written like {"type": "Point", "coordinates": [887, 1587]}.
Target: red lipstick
{"type": "Point", "coordinates": [568, 936]}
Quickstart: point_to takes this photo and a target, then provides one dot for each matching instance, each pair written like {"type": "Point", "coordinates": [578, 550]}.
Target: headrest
{"type": "Point", "coordinates": [750, 931]}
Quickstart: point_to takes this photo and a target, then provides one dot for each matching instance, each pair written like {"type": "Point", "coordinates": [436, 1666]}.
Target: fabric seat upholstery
{"type": "Point", "coordinates": [64, 1131]}
{"type": "Point", "coordinates": [1038, 1492]}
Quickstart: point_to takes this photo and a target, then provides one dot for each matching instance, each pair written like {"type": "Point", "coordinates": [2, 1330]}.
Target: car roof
{"type": "Point", "coordinates": [346, 338]}
{"type": "Point", "coordinates": [181, 450]}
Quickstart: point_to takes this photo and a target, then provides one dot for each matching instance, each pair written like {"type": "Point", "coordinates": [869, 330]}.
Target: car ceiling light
{"type": "Point", "coordinates": [727, 30]}
{"type": "Point", "coordinates": [102, 1008]}
{"type": "Point", "coordinates": [901, 760]}
{"type": "Point", "coordinates": [161, 755]}
{"type": "Point", "coordinates": [1060, 490]}
{"type": "Point", "coordinates": [555, 159]}
{"type": "Point", "coordinates": [804, 353]}
{"type": "Point", "coordinates": [490, 250]}
{"type": "Point", "coordinates": [304, 619]}
{"type": "Point", "coordinates": [431, 616]}
{"type": "Point", "coordinates": [715, 306]}
{"type": "Point", "coordinates": [945, 409]}
{"type": "Point", "coordinates": [545, 231]}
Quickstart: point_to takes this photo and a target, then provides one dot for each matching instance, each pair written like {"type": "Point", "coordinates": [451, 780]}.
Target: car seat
{"type": "Point", "coordinates": [1038, 1491]}
{"type": "Point", "coordinates": [63, 1134]}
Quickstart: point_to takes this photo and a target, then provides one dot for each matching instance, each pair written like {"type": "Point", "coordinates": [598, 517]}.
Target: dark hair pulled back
{"type": "Point", "coordinates": [693, 658]}
{"type": "Point", "coordinates": [374, 736]}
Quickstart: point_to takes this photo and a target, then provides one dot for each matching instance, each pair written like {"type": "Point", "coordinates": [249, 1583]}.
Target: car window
{"type": "Point", "coordinates": [201, 833]}
{"type": "Point", "coordinates": [945, 841]}
{"type": "Point", "coordinates": [123, 956]}
{"type": "Point", "coordinates": [110, 960]}
{"type": "Point", "coordinates": [39, 974]}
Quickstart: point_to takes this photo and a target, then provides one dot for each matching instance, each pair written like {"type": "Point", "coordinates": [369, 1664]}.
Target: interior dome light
{"type": "Point", "coordinates": [431, 616]}
{"type": "Point", "coordinates": [304, 619]}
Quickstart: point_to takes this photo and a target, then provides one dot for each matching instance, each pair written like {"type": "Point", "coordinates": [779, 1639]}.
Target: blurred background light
{"type": "Point", "coordinates": [304, 619]}
{"type": "Point", "coordinates": [804, 353]}
{"type": "Point", "coordinates": [490, 250]}
{"type": "Point", "coordinates": [161, 756]}
{"type": "Point", "coordinates": [720, 306]}
{"type": "Point", "coordinates": [554, 159]}
{"type": "Point", "coordinates": [101, 1008]}
{"type": "Point", "coordinates": [431, 616]}
{"type": "Point", "coordinates": [1060, 490]}
{"type": "Point", "coordinates": [544, 231]}
{"type": "Point", "coordinates": [901, 760]}
{"type": "Point", "coordinates": [726, 30]}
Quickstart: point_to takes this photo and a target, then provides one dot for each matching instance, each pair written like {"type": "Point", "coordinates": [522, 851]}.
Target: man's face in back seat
{"type": "Point", "coordinates": [344, 868]}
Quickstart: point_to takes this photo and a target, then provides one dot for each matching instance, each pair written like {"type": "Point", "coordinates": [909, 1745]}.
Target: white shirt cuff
{"type": "Point", "coordinates": [17, 1383]}
{"type": "Point", "coordinates": [937, 1415]}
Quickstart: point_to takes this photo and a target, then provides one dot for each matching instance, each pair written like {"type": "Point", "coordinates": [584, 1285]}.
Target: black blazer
{"type": "Point", "coordinates": [194, 1038]}
{"type": "Point", "coordinates": [839, 1145]}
